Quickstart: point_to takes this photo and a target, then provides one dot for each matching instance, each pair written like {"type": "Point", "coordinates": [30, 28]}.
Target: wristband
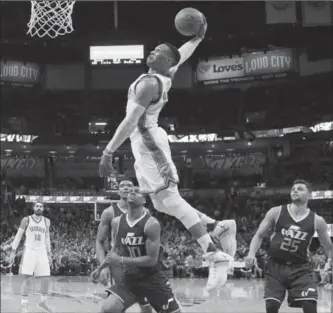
{"type": "Point", "coordinates": [107, 153]}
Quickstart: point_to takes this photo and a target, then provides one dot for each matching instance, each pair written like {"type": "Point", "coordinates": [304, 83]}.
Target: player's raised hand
{"type": "Point", "coordinates": [105, 165]}
{"type": "Point", "coordinates": [202, 31]}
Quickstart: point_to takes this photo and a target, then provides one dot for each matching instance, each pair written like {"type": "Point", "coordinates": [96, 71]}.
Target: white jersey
{"type": "Point", "coordinates": [149, 119]}
{"type": "Point", "coordinates": [35, 234]}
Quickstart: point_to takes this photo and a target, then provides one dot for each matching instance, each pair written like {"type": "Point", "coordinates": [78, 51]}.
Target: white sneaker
{"type": "Point", "coordinates": [43, 305]}
{"type": "Point", "coordinates": [219, 263]}
{"type": "Point", "coordinates": [24, 308]}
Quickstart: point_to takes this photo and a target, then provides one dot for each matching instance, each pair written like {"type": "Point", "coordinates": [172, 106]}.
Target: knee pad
{"type": "Point", "coordinates": [272, 306]}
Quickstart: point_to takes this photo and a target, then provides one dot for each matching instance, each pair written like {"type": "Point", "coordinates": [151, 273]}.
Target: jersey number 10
{"type": "Point", "coordinates": [290, 245]}
{"type": "Point", "coordinates": [134, 252]}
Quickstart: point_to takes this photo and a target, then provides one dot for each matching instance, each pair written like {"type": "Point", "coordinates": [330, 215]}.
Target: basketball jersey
{"type": "Point", "coordinates": [149, 119]}
{"type": "Point", "coordinates": [291, 239]}
{"type": "Point", "coordinates": [117, 211]}
{"type": "Point", "coordinates": [131, 239]}
{"type": "Point", "coordinates": [35, 234]}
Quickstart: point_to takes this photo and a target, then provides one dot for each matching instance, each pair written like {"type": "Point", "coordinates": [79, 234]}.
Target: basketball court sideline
{"type": "Point", "coordinates": [78, 294]}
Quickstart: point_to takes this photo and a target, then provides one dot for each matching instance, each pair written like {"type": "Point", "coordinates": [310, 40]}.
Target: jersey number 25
{"type": "Point", "coordinates": [290, 245]}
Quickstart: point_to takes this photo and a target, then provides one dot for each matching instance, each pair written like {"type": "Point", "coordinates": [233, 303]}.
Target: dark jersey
{"type": "Point", "coordinates": [131, 240]}
{"type": "Point", "coordinates": [291, 239]}
{"type": "Point", "coordinates": [116, 210]}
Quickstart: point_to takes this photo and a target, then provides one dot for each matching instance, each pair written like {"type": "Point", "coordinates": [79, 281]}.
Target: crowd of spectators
{"type": "Point", "coordinates": [73, 233]}
{"type": "Point", "coordinates": [302, 102]}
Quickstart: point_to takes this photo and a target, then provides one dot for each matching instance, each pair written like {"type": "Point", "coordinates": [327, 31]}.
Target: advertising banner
{"type": "Point", "coordinates": [17, 72]}
{"type": "Point", "coordinates": [269, 63]}
{"type": "Point", "coordinates": [17, 138]}
{"type": "Point", "coordinates": [220, 70]}
{"type": "Point", "coordinates": [249, 67]}
{"type": "Point", "coordinates": [281, 12]}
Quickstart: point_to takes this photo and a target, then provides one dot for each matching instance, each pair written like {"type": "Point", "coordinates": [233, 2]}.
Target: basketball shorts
{"type": "Point", "coordinates": [155, 289]}
{"type": "Point", "coordinates": [153, 165]}
{"type": "Point", "coordinates": [35, 263]}
{"type": "Point", "coordinates": [117, 278]}
{"type": "Point", "coordinates": [297, 279]}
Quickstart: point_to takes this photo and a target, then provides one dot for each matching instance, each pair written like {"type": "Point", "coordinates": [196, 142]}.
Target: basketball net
{"type": "Point", "coordinates": [50, 18]}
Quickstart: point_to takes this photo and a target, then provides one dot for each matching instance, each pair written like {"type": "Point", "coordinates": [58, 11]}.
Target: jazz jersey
{"type": "Point", "coordinates": [131, 240]}
{"type": "Point", "coordinates": [291, 238]}
{"type": "Point", "coordinates": [117, 211]}
{"type": "Point", "coordinates": [35, 234]}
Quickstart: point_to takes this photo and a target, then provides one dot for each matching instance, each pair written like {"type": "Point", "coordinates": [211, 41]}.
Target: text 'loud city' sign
{"type": "Point", "coordinates": [19, 72]}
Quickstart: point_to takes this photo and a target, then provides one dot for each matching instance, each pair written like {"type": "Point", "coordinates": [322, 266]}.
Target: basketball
{"type": "Point", "coordinates": [188, 21]}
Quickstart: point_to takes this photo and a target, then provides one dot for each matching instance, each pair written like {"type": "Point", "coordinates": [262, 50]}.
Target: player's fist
{"type": "Point", "coordinates": [105, 165]}
{"type": "Point", "coordinates": [95, 275]}
{"type": "Point", "coordinates": [105, 276]}
{"type": "Point", "coordinates": [113, 259]}
{"type": "Point", "coordinates": [249, 261]}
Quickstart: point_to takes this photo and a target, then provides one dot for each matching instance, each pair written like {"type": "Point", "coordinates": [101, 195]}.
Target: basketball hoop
{"type": "Point", "coordinates": [50, 18]}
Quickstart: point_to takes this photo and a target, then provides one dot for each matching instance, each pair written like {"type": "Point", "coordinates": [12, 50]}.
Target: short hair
{"type": "Point", "coordinates": [303, 182]}
{"type": "Point", "coordinates": [174, 51]}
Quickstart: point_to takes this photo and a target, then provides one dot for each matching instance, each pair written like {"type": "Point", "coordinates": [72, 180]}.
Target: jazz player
{"type": "Point", "coordinates": [155, 170]}
{"type": "Point", "coordinates": [136, 236]}
{"type": "Point", "coordinates": [36, 258]}
{"type": "Point", "coordinates": [104, 234]}
{"type": "Point", "coordinates": [289, 266]}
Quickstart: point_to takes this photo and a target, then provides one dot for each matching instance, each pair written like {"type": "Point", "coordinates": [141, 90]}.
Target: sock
{"type": "Point", "coordinates": [24, 300]}
{"type": "Point", "coordinates": [272, 306]}
{"type": "Point", "coordinates": [43, 298]}
{"type": "Point", "coordinates": [309, 306]}
{"type": "Point", "coordinates": [206, 243]}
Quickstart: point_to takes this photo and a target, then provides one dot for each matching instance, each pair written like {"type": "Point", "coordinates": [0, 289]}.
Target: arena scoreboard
{"type": "Point", "coordinates": [116, 55]}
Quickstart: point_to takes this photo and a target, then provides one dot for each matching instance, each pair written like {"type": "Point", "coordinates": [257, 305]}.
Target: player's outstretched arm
{"type": "Point", "coordinates": [153, 242]}
{"type": "Point", "coordinates": [146, 92]}
{"type": "Point", "coordinates": [47, 237]}
{"type": "Point", "coordinates": [103, 231]}
{"type": "Point", "coordinates": [324, 238]}
{"type": "Point", "coordinates": [18, 236]}
{"type": "Point", "coordinates": [263, 229]}
{"type": "Point", "coordinates": [187, 49]}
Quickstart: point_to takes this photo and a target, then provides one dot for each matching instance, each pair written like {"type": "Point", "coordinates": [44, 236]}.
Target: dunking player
{"type": "Point", "coordinates": [155, 170]}
{"type": "Point", "coordinates": [104, 234]}
{"type": "Point", "coordinates": [136, 238]}
{"type": "Point", "coordinates": [36, 258]}
{"type": "Point", "coordinates": [289, 266]}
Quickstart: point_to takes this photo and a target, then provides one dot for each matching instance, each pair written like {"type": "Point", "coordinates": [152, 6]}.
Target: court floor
{"type": "Point", "coordinates": [77, 294]}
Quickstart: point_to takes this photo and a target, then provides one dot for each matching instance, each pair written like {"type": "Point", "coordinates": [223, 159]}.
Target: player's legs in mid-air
{"type": "Point", "coordinates": [170, 202]}
{"type": "Point", "coordinates": [157, 176]}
